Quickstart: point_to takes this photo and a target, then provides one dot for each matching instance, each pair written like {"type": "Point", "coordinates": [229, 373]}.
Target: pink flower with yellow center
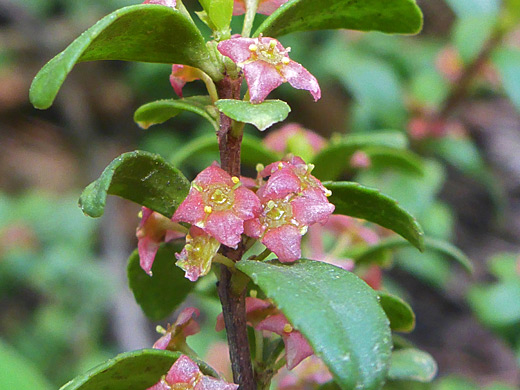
{"type": "Point", "coordinates": [153, 230]}
{"type": "Point", "coordinates": [266, 65]}
{"type": "Point", "coordinates": [174, 338]}
{"type": "Point", "coordinates": [293, 138]}
{"type": "Point", "coordinates": [186, 375]}
{"type": "Point", "coordinates": [265, 7]}
{"type": "Point", "coordinates": [218, 204]}
{"type": "Point", "coordinates": [292, 200]}
{"type": "Point", "coordinates": [196, 257]}
{"type": "Point", "coordinates": [296, 347]}
{"type": "Point", "coordinates": [182, 74]}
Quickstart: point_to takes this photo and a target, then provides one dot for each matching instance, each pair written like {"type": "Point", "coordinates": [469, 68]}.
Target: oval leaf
{"type": "Point", "coordinates": [388, 16]}
{"type": "Point", "coordinates": [390, 158]}
{"type": "Point", "coordinates": [412, 364]}
{"type": "Point", "coordinates": [160, 294]}
{"type": "Point", "coordinates": [261, 115]}
{"type": "Point", "coordinates": [142, 177]}
{"type": "Point", "coordinates": [400, 314]}
{"type": "Point", "coordinates": [253, 151]}
{"type": "Point", "coordinates": [333, 160]}
{"type": "Point", "coordinates": [146, 33]}
{"type": "Point", "coordinates": [343, 322]}
{"type": "Point", "coordinates": [357, 201]}
{"type": "Point", "coordinates": [136, 370]}
{"type": "Point", "coordinates": [161, 110]}
{"type": "Point", "coordinates": [443, 247]}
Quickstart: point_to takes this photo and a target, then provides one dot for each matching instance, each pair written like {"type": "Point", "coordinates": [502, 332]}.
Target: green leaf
{"type": "Point", "coordinates": [400, 314]}
{"type": "Point", "coordinates": [262, 115]}
{"type": "Point", "coordinates": [331, 161]}
{"type": "Point", "coordinates": [343, 322]}
{"type": "Point", "coordinates": [219, 13]}
{"type": "Point", "coordinates": [146, 33]}
{"type": "Point", "coordinates": [507, 62]}
{"type": "Point", "coordinates": [357, 201]}
{"type": "Point", "coordinates": [161, 110]}
{"type": "Point", "coordinates": [253, 150]}
{"type": "Point", "coordinates": [497, 305]}
{"type": "Point", "coordinates": [141, 177]}
{"type": "Point", "coordinates": [136, 370]}
{"type": "Point", "coordinates": [430, 244]}
{"type": "Point", "coordinates": [412, 364]}
{"type": "Point", "coordinates": [390, 158]}
{"type": "Point", "coordinates": [19, 373]}
{"type": "Point", "coordinates": [395, 16]}
{"type": "Point", "coordinates": [158, 295]}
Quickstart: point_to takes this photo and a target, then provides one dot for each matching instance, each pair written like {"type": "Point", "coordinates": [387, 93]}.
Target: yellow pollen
{"type": "Point", "coordinates": [259, 167]}
{"type": "Point", "coordinates": [272, 44]}
{"type": "Point", "coordinates": [253, 47]}
{"type": "Point", "coordinates": [208, 209]}
{"type": "Point", "coordinates": [286, 60]}
{"type": "Point", "coordinates": [253, 293]}
{"type": "Point", "coordinates": [287, 328]}
{"type": "Point", "coordinates": [159, 329]}
{"type": "Point", "coordinates": [271, 205]}
{"type": "Point", "coordinates": [280, 165]}
{"type": "Point", "coordinates": [140, 214]}
{"type": "Point", "coordinates": [235, 179]}
{"type": "Point", "coordinates": [328, 193]}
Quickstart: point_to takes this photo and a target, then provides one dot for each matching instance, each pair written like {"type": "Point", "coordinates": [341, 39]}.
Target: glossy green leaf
{"type": "Point", "coordinates": [388, 16]}
{"type": "Point", "coordinates": [19, 373]}
{"type": "Point", "coordinates": [498, 304]}
{"type": "Point", "coordinates": [142, 177]}
{"type": "Point", "coordinates": [400, 314]}
{"type": "Point", "coordinates": [358, 201]}
{"type": "Point", "coordinates": [146, 33]}
{"type": "Point", "coordinates": [161, 110]}
{"type": "Point", "coordinates": [343, 322]}
{"type": "Point", "coordinates": [507, 62]}
{"type": "Point", "coordinates": [252, 152]}
{"type": "Point", "coordinates": [388, 158]}
{"type": "Point", "coordinates": [332, 161]}
{"type": "Point", "coordinates": [158, 295]}
{"type": "Point", "coordinates": [412, 364]}
{"type": "Point", "coordinates": [219, 13]}
{"type": "Point", "coordinates": [430, 244]}
{"type": "Point", "coordinates": [262, 115]}
{"type": "Point", "coordinates": [136, 370]}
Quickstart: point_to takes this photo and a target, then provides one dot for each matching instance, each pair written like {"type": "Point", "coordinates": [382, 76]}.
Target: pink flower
{"type": "Point", "coordinates": [186, 375]}
{"type": "Point", "coordinates": [182, 74]}
{"type": "Point", "coordinates": [360, 160]}
{"type": "Point", "coordinates": [265, 7]}
{"type": "Point", "coordinates": [296, 347]}
{"type": "Point", "coordinates": [256, 311]}
{"type": "Point", "coordinates": [293, 138]}
{"type": "Point", "coordinates": [174, 337]}
{"type": "Point", "coordinates": [292, 200]}
{"type": "Point", "coordinates": [153, 229]}
{"type": "Point", "coordinates": [196, 256]}
{"type": "Point", "coordinates": [218, 204]}
{"type": "Point", "coordinates": [267, 65]}
{"type": "Point", "coordinates": [310, 374]}
{"type": "Point", "coordinates": [167, 3]}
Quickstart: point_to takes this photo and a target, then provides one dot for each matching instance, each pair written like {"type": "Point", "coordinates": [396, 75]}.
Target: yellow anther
{"type": "Point", "coordinates": [272, 44]}
{"type": "Point", "coordinates": [253, 293]}
{"type": "Point", "coordinates": [253, 47]}
{"type": "Point", "coordinates": [280, 165]}
{"type": "Point", "coordinates": [260, 167]}
{"type": "Point", "coordinates": [271, 205]}
{"type": "Point", "coordinates": [208, 209]}
{"type": "Point", "coordinates": [159, 329]}
{"type": "Point", "coordinates": [140, 214]}
{"type": "Point", "coordinates": [235, 180]}
{"type": "Point", "coordinates": [328, 193]}
{"type": "Point", "coordinates": [310, 167]}
{"type": "Point", "coordinates": [286, 60]}
{"type": "Point", "coordinates": [197, 187]}
{"type": "Point", "coordinates": [287, 328]}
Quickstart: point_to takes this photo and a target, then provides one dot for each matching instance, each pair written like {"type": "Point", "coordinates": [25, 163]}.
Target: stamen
{"type": "Point", "coordinates": [235, 179]}
{"type": "Point", "coordinates": [197, 187]}
{"type": "Point", "coordinates": [328, 193]}
{"type": "Point", "coordinates": [280, 165]}
{"type": "Point", "coordinates": [286, 60]}
{"type": "Point", "coordinates": [260, 167]}
{"type": "Point", "coordinates": [208, 209]}
{"type": "Point", "coordinates": [287, 328]}
{"type": "Point", "coordinates": [253, 47]}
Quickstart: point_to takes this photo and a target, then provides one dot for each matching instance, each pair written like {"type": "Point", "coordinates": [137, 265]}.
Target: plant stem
{"type": "Point", "coordinates": [233, 302]}
{"type": "Point", "coordinates": [251, 7]}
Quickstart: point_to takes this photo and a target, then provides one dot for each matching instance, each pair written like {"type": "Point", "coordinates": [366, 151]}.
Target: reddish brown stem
{"type": "Point", "coordinates": [233, 302]}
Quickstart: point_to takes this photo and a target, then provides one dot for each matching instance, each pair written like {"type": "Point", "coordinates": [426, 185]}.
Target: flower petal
{"type": "Point", "coordinates": [296, 348]}
{"type": "Point", "coordinates": [225, 226]}
{"type": "Point", "coordinates": [247, 205]}
{"type": "Point", "coordinates": [191, 210]}
{"type": "Point", "coordinates": [161, 385]}
{"type": "Point", "coordinates": [147, 248]}
{"type": "Point", "coordinates": [267, 7]}
{"type": "Point", "coordinates": [253, 228]}
{"type": "Point", "coordinates": [182, 371]}
{"type": "Point", "coordinates": [285, 242]}
{"type": "Point", "coordinates": [209, 383]}
{"type": "Point", "coordinates": [261, 78]}
{"type": "Point", "coordinates": [312, 206]}
{"type": "Point", "coordinates": [213, 175]}
{"type": "Point", "coordinates": [236, 48]}
{"type": "Point", "coordinates": [301, 78]}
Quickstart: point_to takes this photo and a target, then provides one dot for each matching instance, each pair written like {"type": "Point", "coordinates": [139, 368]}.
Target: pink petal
{"type": "Point", "coordinates": [248, 182]}
{"type": "Point", "coordinates": [186, 320]}
{"type": "Point", "coordinates": [281, 183]}
{"type": "Point", "coordinates": [213, 175]}
{"type": "Point", "coordinates": [312, 207]}
{"type": "Point", "coordinates": [161, 385]}
{"type": "Point", "coordinates": [239, 8]}
{"type": "Point", "coordinates": [147, 248]}
{"type": "Point", "coordinates": [163, 342]}
{"type": "Point", "coordinates": [209, 383]}
{"type": "Point", "coordinates": [285, 242]}
{"type": "Point", "coordinates": [177, 84]}
{"type": "Point", "coordinates": [182, 371]}
{"type": "Point", "coordinates": [167, 3]}
{"type": "Point", "coordinates": [261, 79]}
{"type": "Point", "coordinates": [253, 228]}
{"type": "Point", "coordinates": [191, 210]}
{"type": "Point", "coordinates": [274, 323]}
{"type": "Point", "coordinates": [172, 235]}
{"type": "Point", "coordinates": [236, 48]}
{"type": "Point", "coordinates": [267, 7]}
{"type": "Point", "coordinates": [225, 226]}
{"type": "Point", "coordinates": [247, 205]}
{"type": "Point", "coordinates": [296, 348]}
{"type": "Point", "coordinates": [301, 78]}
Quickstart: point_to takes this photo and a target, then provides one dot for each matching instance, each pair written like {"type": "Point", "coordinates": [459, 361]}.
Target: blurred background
{"type": "Point", "coordinates": [454, 90]}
